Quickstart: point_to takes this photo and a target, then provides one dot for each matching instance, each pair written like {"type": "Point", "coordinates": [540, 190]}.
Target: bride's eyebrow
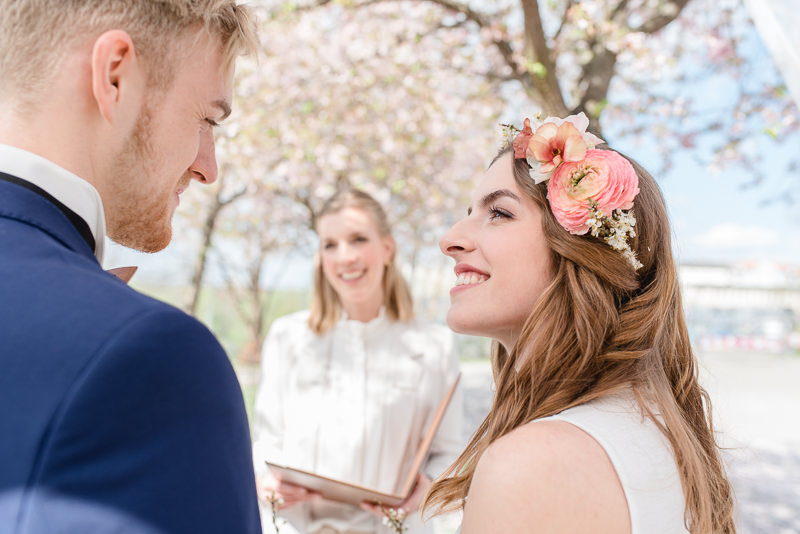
{"type": "Point", "coordinates": [494, 195]}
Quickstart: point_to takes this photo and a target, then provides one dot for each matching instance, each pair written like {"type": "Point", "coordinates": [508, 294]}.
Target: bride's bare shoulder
{"type": "Point", "coordinates": [550, 474]}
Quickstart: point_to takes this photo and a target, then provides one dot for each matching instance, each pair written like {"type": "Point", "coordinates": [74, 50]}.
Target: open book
{"type": "Point", "coordinates": [339, 490]}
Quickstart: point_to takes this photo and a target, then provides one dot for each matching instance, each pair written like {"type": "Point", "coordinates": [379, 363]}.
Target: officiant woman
{"type": "Point", "coordinates": [348, 386]}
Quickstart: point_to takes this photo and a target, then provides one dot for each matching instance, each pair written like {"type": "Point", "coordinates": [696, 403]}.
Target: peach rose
{"type": "Point", "coordinates": [603, 176]}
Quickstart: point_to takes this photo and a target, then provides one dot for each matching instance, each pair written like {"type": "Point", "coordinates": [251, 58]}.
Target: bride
{"type": "Point", "coordinates": [598, 423]}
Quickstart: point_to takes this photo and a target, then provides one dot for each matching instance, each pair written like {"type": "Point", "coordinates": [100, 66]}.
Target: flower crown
{"type": "Point", "coordinates": [589, 190]}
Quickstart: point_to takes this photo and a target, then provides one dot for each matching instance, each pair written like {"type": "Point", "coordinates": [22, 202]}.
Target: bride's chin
{"type": "Point", "coordinates": [461, 326]}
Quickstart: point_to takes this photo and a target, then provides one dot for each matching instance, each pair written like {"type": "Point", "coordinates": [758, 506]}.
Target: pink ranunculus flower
{"type": "Point", "coordinates": [603, 176]}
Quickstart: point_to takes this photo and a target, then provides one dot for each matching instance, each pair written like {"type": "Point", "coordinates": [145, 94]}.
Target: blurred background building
{"type": "Point", "coordinates": [753, 305]}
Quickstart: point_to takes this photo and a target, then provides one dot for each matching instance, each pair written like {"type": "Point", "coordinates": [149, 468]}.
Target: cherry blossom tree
{"type": "Point", "coordinates": [400, 98]}
{"type": "Point", "coordinates": [632, 63]}
{"type": "Point", "coordinates": [331, 105]}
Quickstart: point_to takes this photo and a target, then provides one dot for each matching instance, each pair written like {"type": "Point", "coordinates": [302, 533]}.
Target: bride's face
{"type": "Point", "coordinates": [503, 263]}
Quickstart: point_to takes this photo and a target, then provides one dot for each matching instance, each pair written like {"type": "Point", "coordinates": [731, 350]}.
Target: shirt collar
{"type": "Point", "coordinates": [74, 192]}
{"type": "Point", "coordinates": [377, 320]}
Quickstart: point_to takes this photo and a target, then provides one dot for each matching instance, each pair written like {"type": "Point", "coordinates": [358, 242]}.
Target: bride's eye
{"type": "Point", "coordinates": [498, 213]}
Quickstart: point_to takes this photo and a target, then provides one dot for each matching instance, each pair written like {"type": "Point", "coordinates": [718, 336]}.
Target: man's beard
{"type": "Point", "coordinates": [137, 216]}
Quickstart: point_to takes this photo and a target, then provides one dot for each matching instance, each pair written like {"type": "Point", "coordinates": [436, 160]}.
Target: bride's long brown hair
{"type": "Point", "coordinates": [600, 327]}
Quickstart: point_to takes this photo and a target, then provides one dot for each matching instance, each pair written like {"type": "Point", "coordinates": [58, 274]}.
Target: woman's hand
{"type": "Point", "coordinates": [411, 503]}
{"type": "Point", "coordinates": [290, 494]}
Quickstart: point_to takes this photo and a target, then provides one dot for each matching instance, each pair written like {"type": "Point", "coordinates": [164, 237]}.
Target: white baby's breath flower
{"type": "Point", "coordinates": [615, 231]}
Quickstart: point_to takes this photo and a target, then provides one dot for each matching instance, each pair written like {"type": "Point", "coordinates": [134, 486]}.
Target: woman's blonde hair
{"type": "Point", "coordinates": [601, 327]}
{"type": "Point", "coordinates": [326, 309]}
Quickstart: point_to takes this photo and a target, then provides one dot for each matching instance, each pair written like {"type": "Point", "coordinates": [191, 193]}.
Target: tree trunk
{"type": "Point", "coordinates": [208, 233]}
{"type": "Point", "coordinates": [544, 82]}
{"type": "Point", "coordinates": [202, 257]}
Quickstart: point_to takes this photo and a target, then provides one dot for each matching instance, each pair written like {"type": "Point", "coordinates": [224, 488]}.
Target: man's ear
{"type": "Point", "coordinates": [114, 67]}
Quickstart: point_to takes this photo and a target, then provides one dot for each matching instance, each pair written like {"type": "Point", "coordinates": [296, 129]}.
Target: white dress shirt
{"type": "Point", "coordinates": [74, 192]}
{"type": "Point", "coordinates": [352, 404]}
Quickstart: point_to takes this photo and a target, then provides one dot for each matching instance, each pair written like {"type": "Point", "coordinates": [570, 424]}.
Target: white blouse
{"type": "Point", "coordinates": [353, 404]}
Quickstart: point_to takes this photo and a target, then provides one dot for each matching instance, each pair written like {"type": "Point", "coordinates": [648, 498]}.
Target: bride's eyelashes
{"type": "Point", "coordinates": [499, 213]}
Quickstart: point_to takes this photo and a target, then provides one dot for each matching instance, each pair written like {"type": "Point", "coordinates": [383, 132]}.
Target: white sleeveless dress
{"type": "Point", "coordinates": [642, 457]}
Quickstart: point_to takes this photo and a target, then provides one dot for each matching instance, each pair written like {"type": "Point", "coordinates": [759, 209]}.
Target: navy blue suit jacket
{"type": "Point", "coordinates": [118, 413]}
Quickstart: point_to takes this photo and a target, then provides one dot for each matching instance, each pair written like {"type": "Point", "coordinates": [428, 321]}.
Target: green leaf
{"type": "Point", "coordinates": [536, 67]}
{"type": "Point", "coordinates": [596, 108]}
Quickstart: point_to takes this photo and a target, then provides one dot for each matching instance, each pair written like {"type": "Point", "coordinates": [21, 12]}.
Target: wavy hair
{"type": "Point", "coordinates": [326, 308]}
{"type": "Point", "coordinates": [598, 328]}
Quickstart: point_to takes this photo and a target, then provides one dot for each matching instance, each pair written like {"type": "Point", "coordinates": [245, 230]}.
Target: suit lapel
{"type": "Point", "coordinates": [28, 206]}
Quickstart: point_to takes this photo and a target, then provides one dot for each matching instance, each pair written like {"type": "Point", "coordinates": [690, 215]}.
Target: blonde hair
{"type": "Point", "coordinates": [326, 309]}
{"type": "Point", "coordinates": [601, 327]}
{"type": "Point", "coordinates": [37, 33]}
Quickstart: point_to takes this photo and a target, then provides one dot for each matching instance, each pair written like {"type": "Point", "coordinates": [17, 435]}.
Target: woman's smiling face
{"type": "Point", "coordinates": [503, 263]}
{"type": "Point", "coordinates": [354, 256]}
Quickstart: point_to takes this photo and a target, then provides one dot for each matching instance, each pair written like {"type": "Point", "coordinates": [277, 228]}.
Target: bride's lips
{"type": "Point", "coordinates": [468, 277]}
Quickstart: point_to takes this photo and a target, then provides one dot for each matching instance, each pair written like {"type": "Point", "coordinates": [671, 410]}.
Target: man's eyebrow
{"type": "Point", "coordinates": [224, 107]}
{"type": "Point", "coordinates": [494, 195]}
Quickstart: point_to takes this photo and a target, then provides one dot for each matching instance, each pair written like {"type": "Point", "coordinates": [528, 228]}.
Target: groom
{"type": "Point", "coordinates": [118, 413]}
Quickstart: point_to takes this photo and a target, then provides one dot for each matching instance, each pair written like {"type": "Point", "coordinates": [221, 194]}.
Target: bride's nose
{"type": "Point", "coordinates": [456, 239]}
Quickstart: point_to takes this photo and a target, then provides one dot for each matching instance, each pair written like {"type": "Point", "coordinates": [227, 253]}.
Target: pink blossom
{"type": "Point", "coordinates": [603, 177]}
{"type": "Point", "coordinates": [551, 145]}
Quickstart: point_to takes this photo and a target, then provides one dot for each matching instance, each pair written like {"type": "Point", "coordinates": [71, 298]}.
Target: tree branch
{"type": "Point", "coordinates": [305, 200]}
{"type": "Point", "coordinates": [312, 5]}
{"type": "Point", "coordinates": [537, 51]}
{"type": "Point", "coordinates": [569, 5]}
{"type": "Point", "coordinates": [661, 19]}
{"type": "Point", "coordinates": [618, 10]}
{"type": "Point", "coordinates": [478, 18]}
{"type": "Point", "coordinates": [481, 20]}
{"type": "Point", "coordinates": [598, 73]}
{"type": "Point", "coordinates": [209, 227]}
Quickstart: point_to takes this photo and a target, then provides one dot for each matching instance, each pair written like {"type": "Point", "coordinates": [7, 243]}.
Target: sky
{"type": "Point", "coordinates": [723, 217]}
{"type": "Point", "coordinates": [726, 218]}
{"type": "Point", "coordinates": [716, 218]}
